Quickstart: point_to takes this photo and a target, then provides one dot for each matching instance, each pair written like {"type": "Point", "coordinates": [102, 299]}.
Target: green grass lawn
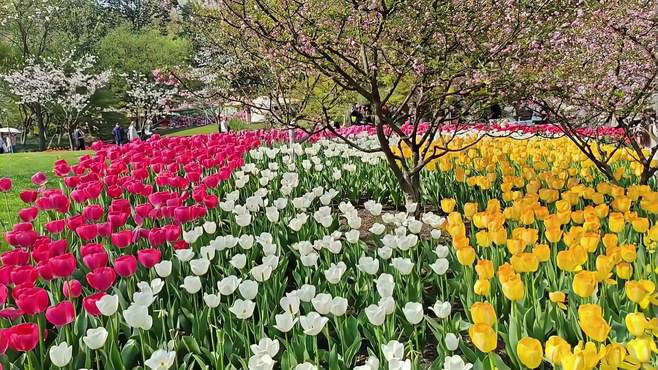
{"type": "Point", "coordinates": [20, 167]}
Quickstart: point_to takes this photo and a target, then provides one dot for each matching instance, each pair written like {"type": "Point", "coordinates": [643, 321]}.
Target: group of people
{"type": "Point", "coordinates": [122, 136]}
{"type": "Point", "coordinates": [360, 114]}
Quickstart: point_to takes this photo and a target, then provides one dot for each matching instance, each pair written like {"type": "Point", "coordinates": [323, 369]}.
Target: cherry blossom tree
{"type": "Point", "coordinates": [60, 88]}
{"type": "Point", "coordinates": [598, 67]}
{"type": "Point", "coordinates": [425, 63]}
{"type": "Point", "coordinates": [147, 99]}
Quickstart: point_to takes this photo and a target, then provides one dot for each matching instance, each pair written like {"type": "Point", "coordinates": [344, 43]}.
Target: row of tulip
{"type": "Point", "coordinates": [214, 251]}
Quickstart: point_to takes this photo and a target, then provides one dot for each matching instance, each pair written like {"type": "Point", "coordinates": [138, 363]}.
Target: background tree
{"type": "Point", "coordinates": [598, 68]}
{"type": "Point", "coordinates": [440, 60]}
{"type": "Point", "coordinates": [140, 13]}
{"type": "Point", "coordinates": [147, 99]}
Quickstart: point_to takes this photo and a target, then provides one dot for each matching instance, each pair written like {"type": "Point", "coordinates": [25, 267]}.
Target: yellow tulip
{"type": "Point", "coordinates": [640, 225]}
{"type": "Point", "coordinates": [530, 352]}
{"type": "Point", "coordinates": [448, 205]}
{"type": "Point", "coordinates": [613, 356]}
{"type": "Point", "coordinates": [493, 206]}
{"type": "Point", "coordinates": [589, 352]}
{"type": "Point", "coordinates": [483, 313]}
{"type": "Point", "coordinates": [567, 260]}
{"type": "Point", "coordinates": [640, 292]}
{"type": "Point", "coordinates": [525, 262]}
{"type": "Point", "coordinates": [470, 209]}
{"type": "Point", "coordinates": [482, 287]}
{"type": "Point", "coordinates": [628, 253]}
{"type": "Point", "coordinates": [610, 240]}
{"type": "Point", "coordinates": [590, 241]}
{"type": "Point", "coordinates": [640, 349]}
{"type": "Point", "coordinates": [514, 246]}
{"type": "Point", "coordinates": [514, 289]}
{"type": "Point", "coordinates": [621, 204]}
{"type": "Point", "coordinates": [559, 298]}
{"type": "Point", "coordinates": [557, 349]}
{"type": "Point", "coordinates": [498, 235]}
{"type": "Point", "coordinates": [484, 269]}
{"type": "Point", "coordinates": [584, 283]}
{"type": "Point", "coordinates": [542, 252]}
{"type": "Point", "coordinates": [483, 239]}
{"type": "Point", "coordinates": [553, 234]}
{"type": "Point", "coordinates": [466, 256]}
{"type": "Point", "coordinates": [636, 323]}
{"type": "Point", "coordinates": [591, 321]}
{"type": "Point", "coordinates": [616, 223]}
{"type": "Point", "coordinates": [624, 270]}
{"type": "Point", "coordinates": [483, 337]}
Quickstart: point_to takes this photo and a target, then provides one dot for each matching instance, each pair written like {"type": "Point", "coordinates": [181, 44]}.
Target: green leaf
{"type": "Point", "coordinates": [129, 353]}
{"type": "Point", "coordinates": [191, 344]}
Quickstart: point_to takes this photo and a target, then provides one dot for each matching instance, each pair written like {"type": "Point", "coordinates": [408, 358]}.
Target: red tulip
{"type": "Point", "coordinates": [23, 337]}
{"type": "Point", "coordinates": [63, 266]}
{"type": "Point", "coordinates": [32, 300]}
{"type": "Point", "coordinates": [72, 289]}
{"type": "Point", "coordinates": [60, 203]}
{"type": "Point", "coordinates": [15, 257]}
{"type": "Point", "coordinates": [11, 313]}
{"type": "Point", "coordinates": [5, 274]}
{"type": "Point", "coordinates": [101, 278]}
{"type": "Point", "coordinates": [4, 341]}
{"type": "Point", "coordinates": [39, 178]}
{"type": "Point", "coordinates": [148, 257]}
{"type": "Point", "coordinates": [87, 232]}
{"type": "Point", "coordinates": [156, 237]}
{"type": "Point", "coordinates": [92, 212]}
{"type": "Point", "coordinates": [55, 226]}
{"type": "Point", "coordinates": [89, 303]}
{"type": "Point", "coordinates": [125, 265]}
{"type": "Point", "coordinates": [3, 294]}
{"type": "Point", "coordinates": [96, 259]}
{"type": "Point", "coordinates": [24, 274]}
{"type": "Point", "coordinates": [122, 239]}
{"type": "Point", "coordinates": [61, 314]}
{"type": "Point", "coordinates": [28, 214]}
{"type": "Point", "coordinates": [104, 229]}
{"type": "Point", "coordinates": [43, 268]}
{"type": "Point", "coordinates": [74, 222]}
{"type": "Point", "coordinates": [28, 196]}
{"type": "Point", "coordinates": [5, 184]}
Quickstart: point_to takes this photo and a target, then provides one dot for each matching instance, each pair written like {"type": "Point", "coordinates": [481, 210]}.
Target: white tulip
{"type": "Point", "coordinates": [208, 252]}
{"type": "Point", "coordinates": [265, 346]}
{"type": "Point", "coordinates": [335, 272]}
{"type": "Point", "coordinates": [272, 214]}
{"type": "Point", "coordinates": [393, 350]}
{"type": "Point", "coordinates": [228, 285]}
{"type": "Point", "coordinates": [372, 363]}
{"type": "Point", "coordinates": [280, 203]}
{"type": "Point", "coordinates": [238, 261]}
{"type": "Point", "coordinates": [451, 341]}
{"type": "Point", "coordinates": [399, 365]}
{"type": "Point", "coordinates": [156, 285]}
{"type": "Point", "coordinates": [261, 272]}
{"type": "Point", "coordinates": [290, 303]}
{"type": "Point", "coordinates": [354, 221]}
{"type": "Point", "coordinates": [191, 284]}
{"type": "Point", "coordinates": [248, 289]}
{"type": "Point", "coordinates": [368, 265]}
{"type": "Point", "coordinates": [108, 304]}
{"type": "Point", "coordinates": [388, 303]}
{"type": "Point", "coordinates": [352, 236]}
{"type": "Point", "coordinates": [310, 260]}
{"type": "Point", "coordinates": [261, 362]}
{"type": "Point", "coordinates": [163, 268]}
{"type": "Point", "coordinates": [271, 260]}
{"type": "Point", "coordinates": [413, 312]}
{"type": "Point", "coordinates": [442, 251]}
{"type": "Point", "coordinates": [137, 316]}
{"type": "Point", "coordinates": [306, 366]}
{"type": "Point", "coordinates": [440, 266]}
{"type": "Point", "coordinates": [161, 360]}
{"type": "Point", "coordinates": [306, 292]}
{"type": "Point", "coordinates": [376, 314]}
{"type": "Point", "coordinates": [377, 228]}
{"type": "Point", "coordinates": [246, 241]}
{"type": "Point", "coordinates": [95, 338]}
{"type": "Point", "coordinates": [285, 322]}
{"type": "Point", "coordinates": [455, 363]}
{"type": "Point", "coordinates": [212, 300]}
{"type": "Point", "coordinates": [242, 309]}
{"type": "Point", "coordinates": [385, 285]}
{"type": "Point", "coordinates": [313, 323]}
{"type": "Point", "coordinates": [441, 309]}
{"type": "Point", "coordinates": [184, 254]}
{"type": "Point", "coordinates": [61, 354]}
{"type": "Point", "coordinates": [384, 252]}
{"type": "Point", "coordinates": [414, 226]}
{"type": "Point", "coordinates": [209, 227]}
{"type": "Point", "coordinates": [199, 266]}
{"type": "Point", "coordinates": [403, 265]}
{"type": "Point", "coordinates": [322, 303]}
{"type": "Point", "coordinates": [339, 306]}
{"type": "Point", "coordinates": [436, 234]}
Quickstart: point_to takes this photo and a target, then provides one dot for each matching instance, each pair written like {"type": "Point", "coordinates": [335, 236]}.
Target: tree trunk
{"type": "Point", "coordinates": [41, 125]}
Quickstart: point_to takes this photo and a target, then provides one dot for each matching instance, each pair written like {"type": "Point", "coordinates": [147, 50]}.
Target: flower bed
{"type": "Point", "coordinates": [229, 251]}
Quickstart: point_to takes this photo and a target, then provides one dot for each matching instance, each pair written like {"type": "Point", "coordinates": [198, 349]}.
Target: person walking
{"type": "Point", "coordinates": [78, 139]}
{"type": "Point", "coordinates": [117, 132]}
{"type": "Point", "coordinates": [132, 132]}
